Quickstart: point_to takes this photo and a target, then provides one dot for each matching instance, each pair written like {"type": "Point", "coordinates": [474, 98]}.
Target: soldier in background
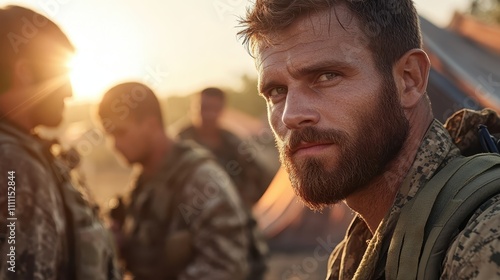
{"type": "Point", "coordinates": [184, 218]}
{"type": "Point", "coordinates": [48, 230]}
{"type": "Point", "coordinates": [248, 175]}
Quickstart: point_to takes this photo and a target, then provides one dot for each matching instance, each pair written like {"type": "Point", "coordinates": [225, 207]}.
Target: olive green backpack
{"type": "Point", "coordinates": [429, 222]}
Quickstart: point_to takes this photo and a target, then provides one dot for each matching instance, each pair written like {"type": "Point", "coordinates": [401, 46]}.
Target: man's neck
{"type": "Point", "coordinates": [20, 122]}
{"type": "Point", "coordinates": [14, 123]}
{"type": "Point", "coordinates": [13, 113]}
{"type": "Point", "coordinates": [161, 146]}
{"type": "Point", "coordinates": [207, 129]}
{"type": "Point", "coordinates": [209, 135]}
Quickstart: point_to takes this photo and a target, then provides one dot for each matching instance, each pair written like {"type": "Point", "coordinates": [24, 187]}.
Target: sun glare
{"type": "Point", "coordinates": [103, 59]}
{"type": "Point", "coordinates": [86, 81]}
{"type": "Point", "coordinates": [92, 74]}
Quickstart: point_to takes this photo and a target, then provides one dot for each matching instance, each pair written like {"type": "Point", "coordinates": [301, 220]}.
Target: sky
{"type": "Point", "coordinates": [176, 47]}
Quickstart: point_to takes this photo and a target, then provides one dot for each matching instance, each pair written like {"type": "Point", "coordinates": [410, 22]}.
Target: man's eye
{"type": "Point", "coordinates": [277, 91]}
{"type": "Point", "coordinates": [327, 77]}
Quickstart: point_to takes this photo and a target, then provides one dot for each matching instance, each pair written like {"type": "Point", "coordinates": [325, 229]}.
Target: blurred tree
{"type": "Point", "coordinates": [486, 10]}
{"type": "Point", "coordinates": [247, 100]}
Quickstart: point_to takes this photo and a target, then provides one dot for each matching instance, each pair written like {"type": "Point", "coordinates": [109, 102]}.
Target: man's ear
{"type": "Point", "coordinates": [411, 76]}
{"type": "Point", "coordinates": [23, 72]}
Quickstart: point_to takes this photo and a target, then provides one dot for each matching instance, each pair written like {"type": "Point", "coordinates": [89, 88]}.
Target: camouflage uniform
{"type": "Point", "coordinates": [44, 238]}
{"type": "Point", "coordinates": [251, 181]}
{"type": "Point", "coordinates": [185, 227]}
{"type": "Point", "coordinates": [244, 170]}
{"type": "Point", "coordinates": [473, 254]}
{"type": "Point", "coordinates": [463, 126]}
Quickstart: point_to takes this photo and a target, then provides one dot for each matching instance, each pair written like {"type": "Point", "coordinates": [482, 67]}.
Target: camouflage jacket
{"type": "Point", "coordinates": [474, 252]}
{"type": "Point", "coordinates": [463, 128]}
{"type": "Point", "coordinates": [246, 173]}
{"type": "Point", "coordinates": [40, 239]}
{"type": "Point", "coordinates": [185, 228]}
{"type": "Point", "coordinates": [37, 232]}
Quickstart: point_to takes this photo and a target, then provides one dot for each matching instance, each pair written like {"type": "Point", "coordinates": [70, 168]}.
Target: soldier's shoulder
{"type": "Point", "coordinates": [11, 147]}
{"type": "Point", "coordinates": [186, 132]}
{"type": "Point", "coordinates": [26, 166]}
{"type": "Point", "coordinates": [476, 249]}
{"type": "Point", "coordinates": [209, 171]}
{"type": "Point", "coordinates": [210, 177]}
{"type": "Point", "coordinates": [485, 220]}
{"type": "Point", "coordinates": [230, 137]}
{"type": "Point", "coordinates": [15, 155]}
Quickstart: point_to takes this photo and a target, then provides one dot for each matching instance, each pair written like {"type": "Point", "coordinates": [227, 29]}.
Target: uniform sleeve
{"type": "Point", "coordinates": [218, 224]}
{"type": "Point", "coordinates": [30, 223]}
{"type": "Point", "coordinates": [475, 253]}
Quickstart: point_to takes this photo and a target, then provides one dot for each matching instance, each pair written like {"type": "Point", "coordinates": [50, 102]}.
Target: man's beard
{"type": "Point", "coordinates": [383, 133]}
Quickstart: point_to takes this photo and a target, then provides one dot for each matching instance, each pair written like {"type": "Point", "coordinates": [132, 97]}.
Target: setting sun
{"type": "Point", "coordinates": [105, 55]}
{"type": "Point", "coordinates": [93, 70]}
{"type": "Point", "coordinates": [86, 82]}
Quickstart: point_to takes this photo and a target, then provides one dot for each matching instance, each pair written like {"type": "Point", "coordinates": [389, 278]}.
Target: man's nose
{"type": "Point", "coordinates": [299, 110]}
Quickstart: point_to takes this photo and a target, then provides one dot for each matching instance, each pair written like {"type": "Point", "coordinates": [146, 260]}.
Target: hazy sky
{"type": "Point", "coordinates": [176, 47]}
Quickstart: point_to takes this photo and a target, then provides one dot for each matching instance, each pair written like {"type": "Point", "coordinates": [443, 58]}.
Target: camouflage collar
{"type": "Point", "coordinates": [364, 254]}
{"type": "Point", "coordinates": [15, 134]}
{"type": "Point", "coordinates": [50, 149]}
{"type": "Point", "coordinates": [16, 131]}
{"type": "Point", "coordinates": [169, 160]}
{"type": "Point", "coordinates": [435, 151]}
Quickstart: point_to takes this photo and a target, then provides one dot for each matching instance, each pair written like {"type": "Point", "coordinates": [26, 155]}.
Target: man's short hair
{"type": "Point", "coordinates": [130, 100]}
{"type": "Point", "coordinates": [26, 33]}
{"type": "Point", "coordinates": [214, 92]}
{"type": "Point", "coordinates": [391, 26]}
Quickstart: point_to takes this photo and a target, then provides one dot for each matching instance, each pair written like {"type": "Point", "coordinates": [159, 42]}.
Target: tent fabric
{"type": "Point", "coordinates": [469, 65]}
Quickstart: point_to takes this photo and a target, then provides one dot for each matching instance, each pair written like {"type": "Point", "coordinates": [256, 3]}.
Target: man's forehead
{"type": "Point", "coordinates": [326, 23]}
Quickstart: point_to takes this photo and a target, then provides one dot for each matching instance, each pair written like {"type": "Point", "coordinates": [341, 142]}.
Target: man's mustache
{"type": "Point", "coordinates": [296, 138]}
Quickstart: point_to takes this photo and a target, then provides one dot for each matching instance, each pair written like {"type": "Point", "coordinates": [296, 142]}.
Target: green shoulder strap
{"type": "Point", "coordinates": [429, 221]}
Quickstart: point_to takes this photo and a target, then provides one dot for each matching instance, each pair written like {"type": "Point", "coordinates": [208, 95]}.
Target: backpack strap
{"type": "Point", "coordinates": [428, 223]}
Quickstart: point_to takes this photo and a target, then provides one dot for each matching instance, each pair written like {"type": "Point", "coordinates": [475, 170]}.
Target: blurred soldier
{"type": "Point", "coordinates": [245, 171]}
{"type": "Point", "coordinates": [248, 175]}
{"type": "Point", "coordinates": [48, 230]}
{"type": "Point", "coordinates": [183, 219]}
